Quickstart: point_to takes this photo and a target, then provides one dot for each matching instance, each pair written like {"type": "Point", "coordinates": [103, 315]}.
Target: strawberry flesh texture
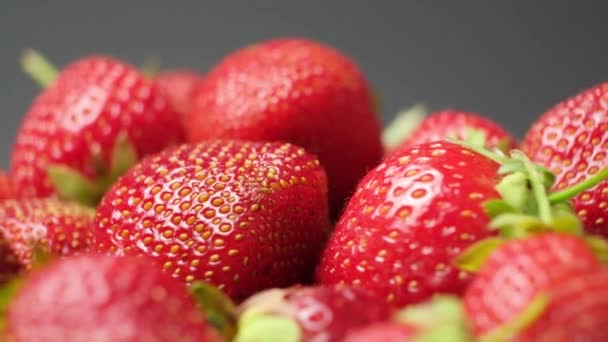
{"type": "Point", "coordinates": [558, 265]}
{"type": "Point", "coordinates": [63, 228]}
{"type": "Point", "coordinates": [327, 313]}
{"type": "Point", "coordinates": [450, 122]}
{"type": "Point", "coordinates": [571, 139]}
{"type": "Point", "coordinates": [299, 91]}
{"type": "Point", "coordinates": [79, 116]}
{"type": "Point", "coordinates": [408, 220]}
{"type": "Point", "coordinates": [178, 87]}
{"type": "Point", "coordinates": [103, 298]}
{"type": "Point", "coordinates": [242, 216]}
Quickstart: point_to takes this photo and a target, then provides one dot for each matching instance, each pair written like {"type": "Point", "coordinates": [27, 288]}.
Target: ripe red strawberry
{"type": "Point", "coordinates": [63, 228]}
{"type": "Point", "coordinates": [243, 216]}
{"type": "Point", "coordinates": [383, 331]}
{"type": "Point", "coordinates": [6, 190]}
{"type": "Point", "coordinates": [460, 125]}
{"type": "Point", "coordinates": [570, 139]}
{"type": "Point", "coordinates": [103, 298]}
{"type": "Point", "coordinates": [407, 221]}
{"type": "Point", "coordinates": [295, 90]}
{"type": "Point", "coordinates": [92, 121]}
{"type": "Point", "coordinates": [559, 266]}
{"type": "Point", "coordinates": [178, 87]}
{"type": "Point", "coordinates": [318, 313]}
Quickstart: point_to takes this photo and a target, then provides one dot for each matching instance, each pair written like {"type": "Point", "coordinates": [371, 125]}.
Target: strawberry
{"type": "Point", "coordinates": [95, 118]}
{"type": "Point", "coordinates": [317, 313]}
{"type": "Point", "coordinates": [243, 216]}
{"type": "Point", "coordinates": [178, 86]}
{"type": "Point", "coordinates": [6, 190]}
{"type": "Point", "coordinates": [413, 215]}
{"type": "Point", "coordinates": [459, 124]}
{"type": "Point", "coordinates": [295, 90]}
{"type": "Point", "coordinates": [103, 298]}
{"type": "Point", "coordinates": [548, 287]}
{"type": "Point", "coordinates": [408, 219]}
{"type": "Point", "coordinates": [570, 139]}
{"type": "Point", "coordinates": [61, 227]}
{"type": "Point", "coordinates": [383, 331]}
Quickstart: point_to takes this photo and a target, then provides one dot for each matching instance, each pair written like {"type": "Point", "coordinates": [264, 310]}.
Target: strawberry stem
{"type": "Point", "coordinates": [566, 194]}
{"type": "Point", "coordinates": [538, 188]}
{"type": "Point", "coordinates": [38, 67]}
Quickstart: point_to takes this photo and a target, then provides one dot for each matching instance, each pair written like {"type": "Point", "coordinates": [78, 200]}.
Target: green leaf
{"type": "Point", "coordinates": [513, 189]}
{"type": "Point", "coordinates": [495, 207]}
{"type": "Point", "coordinates": [151, 67]}
{"type": "Point", "coordinates": [566, 222]}
{"type": "Point", "coordinates": [525, 319]}
{"type": "Point", "coordinates": [599, 245]}
{"type": "Point", "coordinates": [7, 293]}
{"type": "Point", "coordinates": [515, 225]}
{"type": "Point", "coordinates": [474, 257]}
{"type": "Point", "coordinates": [475, 137]}
{"type": "Point", "coordinates": [217, 307]}
{"type": "Point", "coordinates": [442, 333]}
{"type": "Point", "coordinates": [439, 319]}
{"type": "Point", "coordinates": [511, 166]}
{"type": "Point", "coordinates": [73, 186]}
{"type": "Point", "coordinates": [503, 145]}
{"type": "Point", "coordinates": [38, 67]}
{"type": "Point", "coordinates": [402, 126]}
{"type": "Point", "coordinates": [124, 156]}
{"type": "Point", "coordinates": [268, 328]}
{"type": "Point", "coordinates": [41, 256]}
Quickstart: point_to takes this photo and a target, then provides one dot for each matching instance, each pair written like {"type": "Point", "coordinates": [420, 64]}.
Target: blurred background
{"type": "Point", "coordinates": [510, 60]}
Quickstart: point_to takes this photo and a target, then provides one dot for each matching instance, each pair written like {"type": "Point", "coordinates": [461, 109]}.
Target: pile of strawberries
{"type": "Point", "coordinates": [263, 201]}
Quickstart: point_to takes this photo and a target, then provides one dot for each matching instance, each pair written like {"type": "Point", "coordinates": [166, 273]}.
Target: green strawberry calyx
{"type": "Point", "coordinates": [407, 120]}
{"type": "Point", "coordinates": [528, 206]}
{"type": "Point", "coordinates": [439, 319]}
{"type": "Point", "coordinates": [267, 316]}
{"type": "Point", "coordinates": [71, 185]}
{"type": "Point", "coordinates": [40, 258]}
{"type": "Point", "coordinates": [151, 67]}
{"type": "Point", "coordinates": [402, 126]}
{"type": "Point", "coordinates": [218, 308]}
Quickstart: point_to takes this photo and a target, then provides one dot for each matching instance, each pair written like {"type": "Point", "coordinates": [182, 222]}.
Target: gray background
{"type": "Point", "coordinates": [507, 59]}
